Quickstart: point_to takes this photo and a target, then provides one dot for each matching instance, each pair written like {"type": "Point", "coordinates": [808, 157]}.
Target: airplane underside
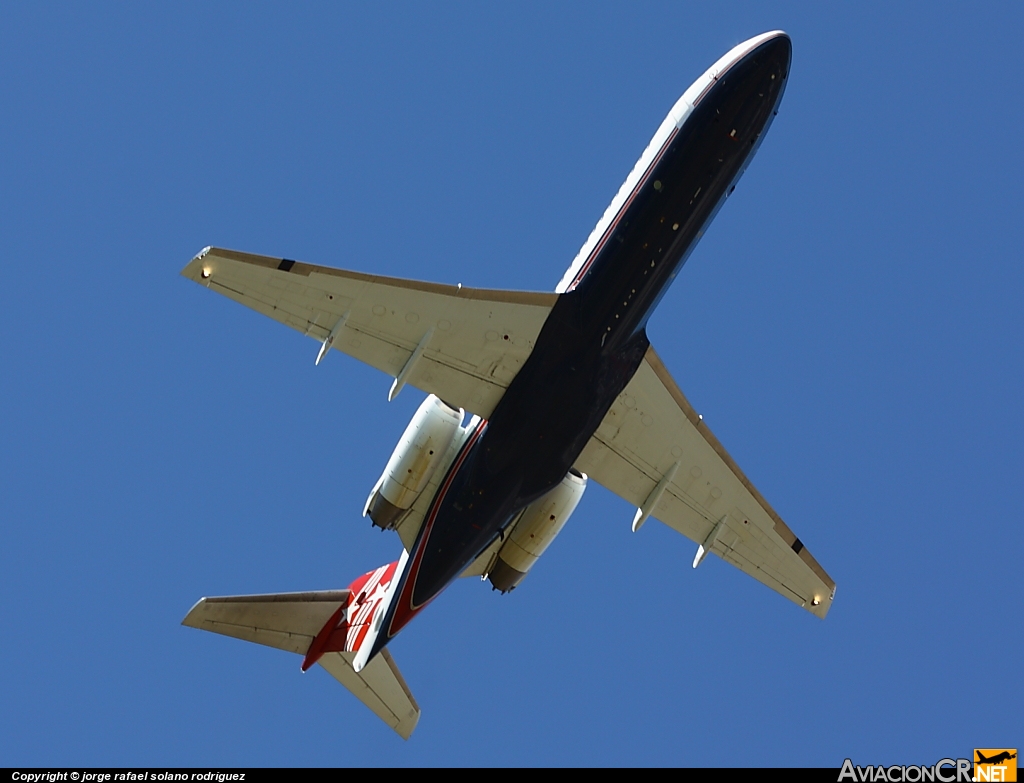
{"type": "Point", "coordinates": [558, 386]}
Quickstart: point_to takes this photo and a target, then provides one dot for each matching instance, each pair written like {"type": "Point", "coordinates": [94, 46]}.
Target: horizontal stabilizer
{"type": "Point", "coordinates": [287, 621]}
{"type": "Point", "coordinates": [380, 686]}
{"type": "Point", "coordinates": [291, 622]}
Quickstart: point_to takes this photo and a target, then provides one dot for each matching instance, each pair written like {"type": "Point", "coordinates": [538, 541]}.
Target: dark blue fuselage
{"type": "Point", "coordinates": [595, 339]}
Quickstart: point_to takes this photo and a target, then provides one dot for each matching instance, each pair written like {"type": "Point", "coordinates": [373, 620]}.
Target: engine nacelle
{"type": "Point", "coordinates": [536, 529]}
{"type": "Point", "coordinates": [413, 462]}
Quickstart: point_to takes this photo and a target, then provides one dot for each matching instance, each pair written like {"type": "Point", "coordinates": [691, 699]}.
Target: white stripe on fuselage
{"type": "Point", "coordinates": [675, 119]}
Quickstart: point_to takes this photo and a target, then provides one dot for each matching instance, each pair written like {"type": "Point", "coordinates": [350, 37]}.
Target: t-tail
{"type": "Point", "coordinates": [336, 628]}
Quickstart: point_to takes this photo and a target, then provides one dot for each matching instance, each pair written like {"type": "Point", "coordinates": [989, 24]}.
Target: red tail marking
{"type": "Point", "coordinates": [347, 627]}
{"type": "Point", "coordinates": [319, 645]}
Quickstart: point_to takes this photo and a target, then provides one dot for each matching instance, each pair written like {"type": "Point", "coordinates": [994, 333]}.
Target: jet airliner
{"type": "Point", "coordinates": [530, 397]}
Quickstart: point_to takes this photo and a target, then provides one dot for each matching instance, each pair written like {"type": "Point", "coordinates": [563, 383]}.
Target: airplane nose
{"type": "Point", "coordinates": [777, 48]}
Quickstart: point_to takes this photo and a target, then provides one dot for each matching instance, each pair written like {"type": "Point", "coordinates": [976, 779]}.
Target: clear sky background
{"type": "Point", "coordinates": [850, 328]}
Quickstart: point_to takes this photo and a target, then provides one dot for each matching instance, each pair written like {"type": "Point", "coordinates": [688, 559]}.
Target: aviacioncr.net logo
{"type": "Point", "coordinates": [943, 771]}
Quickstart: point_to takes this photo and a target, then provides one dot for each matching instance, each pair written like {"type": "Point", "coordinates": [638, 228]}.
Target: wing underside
{"type": "Point", "coordinates": [653, 441]}
{"type": "Point", "coordinates": [465, 344]}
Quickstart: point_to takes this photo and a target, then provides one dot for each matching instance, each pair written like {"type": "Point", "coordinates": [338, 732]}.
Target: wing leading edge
{"type": "Point", "coordinates": [463, 344]}
{"type": "Point", "coordinates": [651, 434]}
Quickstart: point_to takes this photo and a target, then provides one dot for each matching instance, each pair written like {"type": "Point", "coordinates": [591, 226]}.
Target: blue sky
{"type": "Point", "coordinates": [850, 327]}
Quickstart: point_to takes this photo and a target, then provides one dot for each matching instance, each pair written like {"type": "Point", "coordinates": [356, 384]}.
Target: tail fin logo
{"type": "Point", "coordinates": [363, 602]}
{"type": "Point", "coordinates": [995, 764]}
{"type": "Point", "coordinates": [347, 628]}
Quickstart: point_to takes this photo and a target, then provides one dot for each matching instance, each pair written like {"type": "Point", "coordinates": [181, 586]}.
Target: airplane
{"type": "Point", "coordinates": [996, 759]}
{"type": "Point", "coordinates": [530, 397]}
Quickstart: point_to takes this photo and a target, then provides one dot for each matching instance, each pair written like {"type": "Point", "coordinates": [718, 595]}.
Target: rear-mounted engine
{"type": "Point", "coordinates": [536, 529]}
{"type": "Point", "coordinates": [413, 462]}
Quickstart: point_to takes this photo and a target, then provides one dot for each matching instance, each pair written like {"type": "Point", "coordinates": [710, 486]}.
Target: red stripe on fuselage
{"type": "Point", "coordinates": [404, 608]}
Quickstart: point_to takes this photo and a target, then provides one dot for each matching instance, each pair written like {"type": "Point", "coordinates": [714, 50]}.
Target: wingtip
{"type": "Point", "coordinates": [189, 269]}
{"type": "Point", "coordinates": [820, 607]}
{"type": "Point", "coordinates": [190, 620]}
{"type": "Point", "coordinates": [406, 733]}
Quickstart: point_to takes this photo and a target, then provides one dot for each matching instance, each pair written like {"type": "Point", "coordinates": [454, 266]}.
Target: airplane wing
{"type": "Point", "coordinates": [463, 344]}
{"type": "Point", "coordinates": [291, 621]}
{"type": "Point", "coordinates": [653, 450]}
